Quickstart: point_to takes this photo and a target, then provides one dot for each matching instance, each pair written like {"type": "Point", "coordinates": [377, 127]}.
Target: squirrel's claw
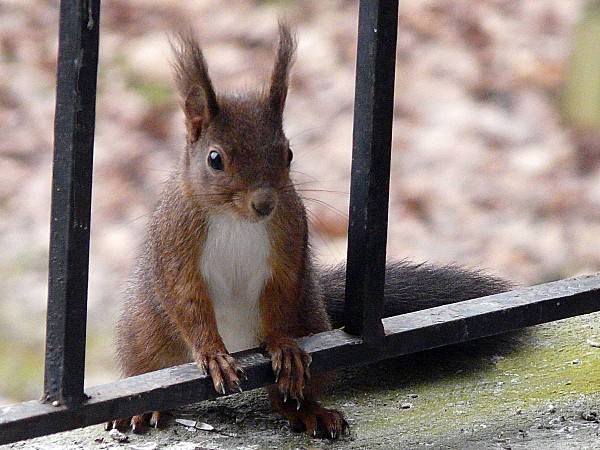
{"type": "Point", "coordinates": [138, 424]}
{"type": "Point", "coordinates": [223, 369]}
{"type": "Point", "coordinates": [322, 422]}
{"type": "Point", "coordinates": [155, 419]}
{"type": "Point", "coordinates": [241, 372]}
{"type": "Point", "coordinates": [290, 365]}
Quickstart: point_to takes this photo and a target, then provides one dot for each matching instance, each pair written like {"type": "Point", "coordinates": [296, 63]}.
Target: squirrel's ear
{"type": "Point", "coordinates": [193, 83]}
{"type": "Point", "coordinates": [281, 71]}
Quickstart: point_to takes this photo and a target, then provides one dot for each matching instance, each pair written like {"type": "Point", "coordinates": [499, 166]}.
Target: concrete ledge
{"type": "Point", "coordinates": [539, 388]}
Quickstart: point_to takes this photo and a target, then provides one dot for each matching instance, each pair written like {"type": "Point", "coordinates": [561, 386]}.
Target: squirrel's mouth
{"type": "Point", "coordinates": [263, 209]}
{"type": "Point", "coordinates": [257, 204]}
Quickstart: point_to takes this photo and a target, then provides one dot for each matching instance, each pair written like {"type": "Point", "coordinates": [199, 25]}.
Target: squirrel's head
{"type": "Point", "coordinates": [237, 157]}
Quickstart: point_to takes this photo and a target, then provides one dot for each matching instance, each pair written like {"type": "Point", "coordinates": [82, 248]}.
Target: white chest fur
{"type": "Point", "coordinates": [234, 264]}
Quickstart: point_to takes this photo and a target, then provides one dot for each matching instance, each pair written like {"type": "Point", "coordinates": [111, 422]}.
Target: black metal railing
{"type": "Point", "coordinates": [66, 405]}
{"type": "Point", "coordinates": [71, 201]}
{"type": "Point", "coordinates": [370, 183]}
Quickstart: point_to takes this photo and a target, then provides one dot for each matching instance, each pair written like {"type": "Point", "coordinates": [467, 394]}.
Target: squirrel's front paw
{"type": "Point", "coordinates": [223, 369]}
{"type": "Point", "coordinates": [291, 367]}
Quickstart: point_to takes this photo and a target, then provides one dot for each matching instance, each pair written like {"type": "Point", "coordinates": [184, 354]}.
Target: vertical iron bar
{"type": "Point", "coordinates": [71, 199]}
{"type": "Point", "coordinates": [371, 150]}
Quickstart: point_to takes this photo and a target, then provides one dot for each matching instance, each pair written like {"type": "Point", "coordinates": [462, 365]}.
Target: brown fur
{"type": "Point", "coordinates": [168, 316]}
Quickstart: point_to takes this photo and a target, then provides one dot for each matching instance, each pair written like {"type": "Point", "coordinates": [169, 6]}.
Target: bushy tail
{"type": "Point", "coordinates": [412, 287]}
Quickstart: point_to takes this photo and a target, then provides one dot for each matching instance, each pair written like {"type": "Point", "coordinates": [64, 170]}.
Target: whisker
{"type": "Point", "coordinates": [151, 169]}
{"type": "Point", "coordinates": [303, 183]}
{"type": "Point", "coordinates": [315, 180]}
{"type": "Point", "coordinates": [306, 131]}
{"type": "Point", "coordinates": [323, 190]}
{"type": "Point", "coordinates": [328, 206]}
{"type": "Point", "coordinates": [209, 193]}
{"type": "Point", "coordinates": [219, 197]}
{"type": "Point", "coordinates": [123, 225]}
{"type": "Point", "coordinates": [304, 174]}
{"type": "Point", "coordinates": [294, 185]}
{"type": "Point", "coordinates": [313, 219]}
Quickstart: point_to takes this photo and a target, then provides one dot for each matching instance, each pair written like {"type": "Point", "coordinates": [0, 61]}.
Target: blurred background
{"type": "Point", "coordinates": [496, 156]}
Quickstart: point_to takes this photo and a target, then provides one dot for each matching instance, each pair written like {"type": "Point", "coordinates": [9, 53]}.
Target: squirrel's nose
{"type": "Point", "coordinates": [263, 201]}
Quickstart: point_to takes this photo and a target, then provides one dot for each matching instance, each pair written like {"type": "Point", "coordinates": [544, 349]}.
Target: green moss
{"type": "Point", "coordinates": [466, 387]}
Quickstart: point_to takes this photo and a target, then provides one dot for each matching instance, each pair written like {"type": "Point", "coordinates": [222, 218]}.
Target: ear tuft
{"type": "Point", "coordinates": [281, 71]}
{"type": "Point", "coordinates": [193, 83]}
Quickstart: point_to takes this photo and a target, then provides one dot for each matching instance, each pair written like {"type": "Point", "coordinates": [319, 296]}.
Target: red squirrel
{"type": "Point", "coordinates": [226, 264]}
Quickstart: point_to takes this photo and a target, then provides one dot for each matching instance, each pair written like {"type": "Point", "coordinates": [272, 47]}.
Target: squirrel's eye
{"type": "Point", "coordinates": [290, 157]}
{"type": "Point", "coordinates": [215, 161]}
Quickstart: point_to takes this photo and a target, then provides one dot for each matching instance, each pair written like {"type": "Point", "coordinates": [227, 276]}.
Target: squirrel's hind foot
{"type": "Point", "coordinates": [138, 424]}
{"type": "Point", "coordinates": [318, 422]}
{"type": "Point", "coordinates": [309, 416]}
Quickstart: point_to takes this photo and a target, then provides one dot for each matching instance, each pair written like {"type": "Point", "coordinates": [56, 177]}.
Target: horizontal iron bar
{"type": "Point", "coordinates": [408, 333]}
